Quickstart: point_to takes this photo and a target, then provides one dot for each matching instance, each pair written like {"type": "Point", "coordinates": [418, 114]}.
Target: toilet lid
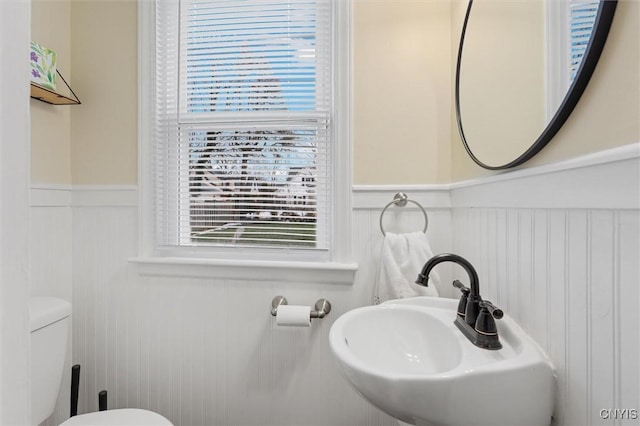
{"type": "Point", "coordinates": [120, 417]}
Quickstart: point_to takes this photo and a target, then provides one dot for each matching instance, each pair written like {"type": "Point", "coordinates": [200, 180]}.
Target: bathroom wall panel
{"type": "Point", "coordinates": [540, 321]}
{"type": "Point", "coordinates": [602, 279]}
{"type": "Point", "coordinates": [577, 314]}
{"type": "Point", "coordinates": [626, 299]}
{"type": "Point", "coordinates": [211, 354]}
{"type": "Point", "coordinates": [557, 333]}
{"type": "Point", "coordinates": [50, 222]}
{"type": "Point", "coordinates": [568, 272]}
{"type": "Point", "coordinates": [103, 240]}
{"type": "Point", "coordinates": [207, 351]}
{"type": "Point", "coordinates": [51, 228]}
{"type": "Point", "coordinates": [577, 303]}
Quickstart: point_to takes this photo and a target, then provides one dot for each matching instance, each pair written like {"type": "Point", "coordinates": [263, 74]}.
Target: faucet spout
{"type": "Point", "coordinates": [423, 277]}
{"type": "Point", "coordinates": [472, 308]}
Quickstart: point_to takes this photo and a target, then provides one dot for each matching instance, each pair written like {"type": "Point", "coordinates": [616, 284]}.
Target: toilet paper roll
{"type": "Point", "coordinates": [292, 315]}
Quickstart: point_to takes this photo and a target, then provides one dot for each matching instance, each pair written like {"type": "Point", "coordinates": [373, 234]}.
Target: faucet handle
{"type": "Point", "coordinates": [485, 325]}
{"type": "Point", "coordinates": [462, 304]}
{"type": "Point", "coordinates": [465, 290]}
{"type": "Point", "coordinates": [496, 312]}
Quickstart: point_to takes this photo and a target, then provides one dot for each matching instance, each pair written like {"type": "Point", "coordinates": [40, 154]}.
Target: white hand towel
{"type": "Point", "coordinates": [401, 260]}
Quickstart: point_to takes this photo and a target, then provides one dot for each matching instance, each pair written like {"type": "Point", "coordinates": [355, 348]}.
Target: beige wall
{"type": "Point", "coordinates": [403, 69]}
{"type": "Point", "coordinates": [104, 131]}
{"type": "Point", "coordinates": [608, 113]}
{"type": "Point", "coordinates": [94, 143]}
{"type": "Point", "coordinates": [401, 92]}
{"type": "Point", "coordinates": [50, 124]}
{"type": "Point", "coordinates": [401, 88]}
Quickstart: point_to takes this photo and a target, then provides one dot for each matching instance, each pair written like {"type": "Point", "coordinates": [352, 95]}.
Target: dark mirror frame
{"type": "Point", "coordinates": [606, 10]}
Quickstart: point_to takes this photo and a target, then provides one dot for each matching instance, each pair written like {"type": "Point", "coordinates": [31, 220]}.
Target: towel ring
{"type": "Point", "coordinates": [400, 200]}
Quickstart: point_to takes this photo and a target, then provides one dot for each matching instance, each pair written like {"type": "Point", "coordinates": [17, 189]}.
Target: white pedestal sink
{"type": "Point", "coordinates": [408, 358]}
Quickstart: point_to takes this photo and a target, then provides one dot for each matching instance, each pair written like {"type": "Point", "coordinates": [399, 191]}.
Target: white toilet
{"type": "Point", "coordinates": [49, 332]}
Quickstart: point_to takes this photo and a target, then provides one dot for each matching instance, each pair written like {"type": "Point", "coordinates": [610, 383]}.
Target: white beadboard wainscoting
{"type": "Point", "coordinates": [557, 248]}
{"type": "Point", "coordinates": [205, 351]}
{"type": "Point", "coordinates": [51, 230]}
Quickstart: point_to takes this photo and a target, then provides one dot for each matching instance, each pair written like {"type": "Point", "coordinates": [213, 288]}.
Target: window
{"type": "Point", "coordinates": [250, 143]}
{"type": "Point", "coordinates": [569, 26]}
{"type": "Point", "coordinates": [582, 19]}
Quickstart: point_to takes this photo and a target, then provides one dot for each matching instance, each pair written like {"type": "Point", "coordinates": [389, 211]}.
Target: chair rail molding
{"type": "Point", "coordinates": [601, 180]}
{"type": "Point", "coordinates": [607, 179]}
{"type": "Point", "coordinates": [377, 196]}
{"type": "Point", "coordinates": [67, 195]}
{"type": "Point", "coordinates": [50, 195]}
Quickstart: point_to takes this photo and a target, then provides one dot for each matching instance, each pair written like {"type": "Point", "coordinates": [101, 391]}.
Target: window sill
{"type": "Point", "coordinates": [309, 272]}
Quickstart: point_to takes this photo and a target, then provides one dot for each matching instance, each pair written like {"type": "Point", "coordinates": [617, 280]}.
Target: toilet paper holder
{"type": "Point", "coordinates": [322, 307]}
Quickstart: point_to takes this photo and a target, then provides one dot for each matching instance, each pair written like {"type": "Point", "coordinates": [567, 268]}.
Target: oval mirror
{"type": "Point", "coordinates": [522, 67]}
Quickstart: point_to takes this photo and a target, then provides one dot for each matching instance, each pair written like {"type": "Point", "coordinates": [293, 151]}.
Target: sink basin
{"type": "Point", "coordinates": [408, 358]}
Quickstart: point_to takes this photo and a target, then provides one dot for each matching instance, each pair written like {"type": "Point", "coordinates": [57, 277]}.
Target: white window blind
{"type": "Point", "coordinates": [583, 15]}
{"type": "Point", "coordinates": [569, 24]}
{"type": "Point", "coordinates": [243, 138]}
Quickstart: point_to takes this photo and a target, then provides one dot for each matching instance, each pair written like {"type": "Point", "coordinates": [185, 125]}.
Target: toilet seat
{"type": "Point", "coordinates": [119, 417]}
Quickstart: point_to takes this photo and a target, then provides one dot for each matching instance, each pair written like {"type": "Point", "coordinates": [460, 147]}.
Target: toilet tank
{"type": "Point", "coordinates": [49, 333]}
